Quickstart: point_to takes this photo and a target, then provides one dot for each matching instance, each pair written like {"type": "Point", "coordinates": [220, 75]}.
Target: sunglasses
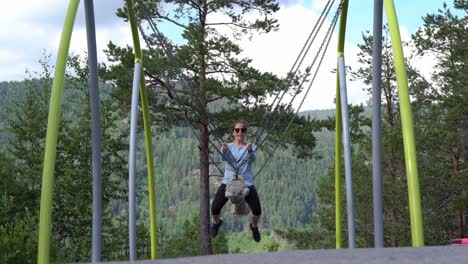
{"type": "Point", "coordinates": [244, 129]}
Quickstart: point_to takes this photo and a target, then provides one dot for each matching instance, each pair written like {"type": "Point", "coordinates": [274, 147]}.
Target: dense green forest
{"type": "Point", "coordinates": [177, 171]}
{"type": "Point", "coordinates": [297, 194]}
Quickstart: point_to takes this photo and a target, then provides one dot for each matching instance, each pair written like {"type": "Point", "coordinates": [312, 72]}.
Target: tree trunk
{"type": "Point", "coordinates": [204, 144]}
{"type": "Point", "coordinates": [393, 231]}
{"type": "Point", "coordinates": [460, 213]}
{"type": "Point", "coordinates": [460, 223]}
{"type": "Point", "coordinates": [391, 160]}
{"type": "Point", "coordinates": [204, 192]}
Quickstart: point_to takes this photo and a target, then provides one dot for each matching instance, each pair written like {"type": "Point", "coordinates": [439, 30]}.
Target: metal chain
{"type": "Point", "coordinates": [160, 38]}
{"type": "Point", "coordinates": [288, 107]}
{"type": "Point", "coordinates": [300, 58]}
{"type": "Point", "coordinates": [327, 38]}
{"type": "Point", "coordinates": [182, 76]}
{"type": "Point", "coordinates": [176, 97]}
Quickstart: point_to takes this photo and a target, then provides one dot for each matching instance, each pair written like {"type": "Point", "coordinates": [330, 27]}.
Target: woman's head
{"type": "Point", "coordinates": [239, 130]}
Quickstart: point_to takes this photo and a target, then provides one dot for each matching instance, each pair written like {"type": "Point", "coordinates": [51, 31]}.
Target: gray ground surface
{"type": "Point", "coordinates": [456, 254]}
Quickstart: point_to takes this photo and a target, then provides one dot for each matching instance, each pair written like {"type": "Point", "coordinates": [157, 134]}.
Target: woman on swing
{"type": "Point", "coordinates": [242, 155]}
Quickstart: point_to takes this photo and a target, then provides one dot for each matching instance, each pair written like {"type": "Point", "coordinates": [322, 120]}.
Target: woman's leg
{"type": "Point", "coordinates": [218, 203]}
{"type": "Point", "coordinates": [253, 201]}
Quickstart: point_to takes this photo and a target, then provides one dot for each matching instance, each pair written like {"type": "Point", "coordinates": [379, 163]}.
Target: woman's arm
{"type": "Point", "coordinates": [226, 154]}
{"type": "Point", "coordinates": [252, 152]}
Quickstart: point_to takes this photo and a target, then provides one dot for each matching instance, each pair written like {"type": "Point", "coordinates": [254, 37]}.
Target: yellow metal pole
{"type": "Point", "coordinates": [45, 218]}
{"type": "Point", "coordinates": [338, 127]}
{"type": "Point", "coordinates": [147, 131]}
{"type": "Point", "coordinates": [417, 235]}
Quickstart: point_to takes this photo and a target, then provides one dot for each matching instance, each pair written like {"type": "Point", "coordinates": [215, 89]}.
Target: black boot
{"type": "Point", "coordinates": [215, 228]}
{"type": "Point", "coordinates": [255, 233]}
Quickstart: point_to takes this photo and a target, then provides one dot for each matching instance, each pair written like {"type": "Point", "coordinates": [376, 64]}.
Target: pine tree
{"type": "Point", "coordinates": [443, 35]}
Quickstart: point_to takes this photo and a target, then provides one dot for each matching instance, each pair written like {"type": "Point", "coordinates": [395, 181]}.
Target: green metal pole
{"type": "Point", "coordinates": [45, 225]}
{"type": "Point", "coordinates": [147, 131]}
{"type": "Point", "coordinates": [338, 127]}
{"type": "Point", "coordinates": [342, 28]}
{"type": "Point", "coordinates": [417, 234]}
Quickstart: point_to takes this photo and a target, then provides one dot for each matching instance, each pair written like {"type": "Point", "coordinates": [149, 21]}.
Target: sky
{"type": "Point", "coordinates": [32, 27]}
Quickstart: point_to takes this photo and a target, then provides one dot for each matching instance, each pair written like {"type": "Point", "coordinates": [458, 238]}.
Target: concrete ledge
{"type": "Point", "coordinates": [457, 254]}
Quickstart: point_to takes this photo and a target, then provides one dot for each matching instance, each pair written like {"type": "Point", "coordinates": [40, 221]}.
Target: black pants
{"type": "Point", "coordinates": [220, 200]}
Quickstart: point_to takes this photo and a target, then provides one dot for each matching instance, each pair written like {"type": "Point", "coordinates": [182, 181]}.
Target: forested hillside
{"type": "Point", "coordinates": [297, 194]}
{"type": "Point", "coordinates": [290, 205]}
{"type": "Point", "coordinates": [177, 171]}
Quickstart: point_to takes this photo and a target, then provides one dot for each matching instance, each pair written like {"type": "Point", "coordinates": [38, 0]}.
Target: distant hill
{"type": "Point", "coordinates": [319, 114]}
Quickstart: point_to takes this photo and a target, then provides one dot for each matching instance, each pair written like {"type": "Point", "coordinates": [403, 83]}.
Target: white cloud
{"type": "Point", "coordinates": [404, 34]}
{"type": "Point", "coordinates": [425, 64]}
{"type": "Point", "coordinates": [318, 5]}
{"type": "Point", "coordinates": [29, 27]}
{"type": "Point", "coordinates": [276, 52]}
{"type": "Point", "coordinates": [289, 2]}
{"type": "Point", "coordinates": [356, 94]}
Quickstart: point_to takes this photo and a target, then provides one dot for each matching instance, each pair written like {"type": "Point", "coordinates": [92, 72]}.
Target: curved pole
{"type": "Point", "coordinates": [377, 125]}
{"type": "Point", "coordinates": [95, 130]}
{"type": "Point", "coordinates": [338, 142]}
{"type": "Point", "coordinates": [147, 132]}
{"type": "Point", "coordinates": [45, 217]}
{"type": "Point", "coordinates": [347, 152]}
{"type": "Point", "coordinates": [338, 129]}
{"type": "Point", "coordinates": [417, 235]}
{"type": "Point", "coordinates": [132, 164]}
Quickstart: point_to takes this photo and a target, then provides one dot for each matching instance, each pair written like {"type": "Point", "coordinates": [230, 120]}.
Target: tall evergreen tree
{"type": "Point", "coordinates": [443, 35]}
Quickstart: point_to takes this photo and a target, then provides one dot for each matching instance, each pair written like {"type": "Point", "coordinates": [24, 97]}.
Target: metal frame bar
{"type": "Point", "coordinates": [147, 131]}
{"type": "Point", "coordinates": [132, 163]}
{"type": "Point", "coordinates": [417, 233]}
{"type": "Point", "coordinates": [377, 125]}
{"type": "Point", "coordinates": [347, 152]}
{"type": "Point", "coordinates": [95, 130]}
{"type": "Point", "coordinates": [48, 177]}
{"type": "Point", "coordinates": [338, 127]}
